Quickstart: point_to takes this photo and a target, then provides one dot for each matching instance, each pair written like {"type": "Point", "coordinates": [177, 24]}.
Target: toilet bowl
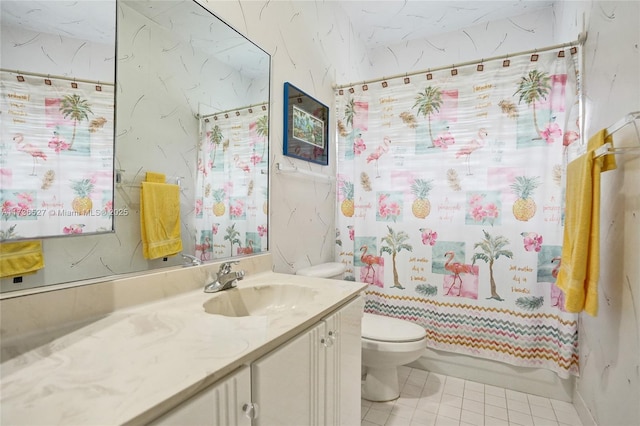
{"type": "Point", "coordinates": [387, 343]}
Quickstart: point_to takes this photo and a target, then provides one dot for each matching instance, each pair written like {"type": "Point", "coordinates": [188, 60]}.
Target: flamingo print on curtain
{"type": "Point", "coordinates": [231, 191]}
{"type": "Point", "coordinates": [450, 196]}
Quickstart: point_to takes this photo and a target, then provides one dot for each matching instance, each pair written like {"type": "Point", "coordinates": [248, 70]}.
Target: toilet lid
{"type": "Point", "coordinates": [387, 329]}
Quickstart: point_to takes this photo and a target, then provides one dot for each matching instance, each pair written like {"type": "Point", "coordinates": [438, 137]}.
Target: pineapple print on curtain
{"type": "Point", "coordinates": [231, 188]}
{"type": "Point", "coordinates": [56, 157]}
{"type": "Point", "coordinates": [450, 191]}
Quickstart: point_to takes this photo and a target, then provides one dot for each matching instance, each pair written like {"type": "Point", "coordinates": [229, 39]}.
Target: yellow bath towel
{"type": "Point", "coordinates": [580, 263]}
{"type": "Point", "coordinates": [20, 258]}
{"type": "Point", "coordinates": [155, 177]}
{"type": "Point", "coordinates": [160, 220]}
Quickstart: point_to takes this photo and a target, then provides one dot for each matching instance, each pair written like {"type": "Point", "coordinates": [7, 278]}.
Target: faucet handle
{"type": "Point", "coordinates": [193, 260]}
{"type": "Point", "coordinates": [225, 267]}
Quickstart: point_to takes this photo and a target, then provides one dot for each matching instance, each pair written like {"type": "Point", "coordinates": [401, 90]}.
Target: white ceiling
{"type": "Point", "coordinates": [384, 23]}
{"type": "Point", "coordinates": [86, 20]}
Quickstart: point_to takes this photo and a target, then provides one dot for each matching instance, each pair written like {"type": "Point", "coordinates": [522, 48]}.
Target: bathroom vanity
{"type": "Point", "coordinates": [279, 349]}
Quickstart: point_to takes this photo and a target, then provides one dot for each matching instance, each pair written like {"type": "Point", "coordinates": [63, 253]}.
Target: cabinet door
{"type": "Point", "coordinates": [286, 383]}
{"type": "Point", "coordinates": [343, 365]}
{"type": "Point", "coordinates": [218, 405]}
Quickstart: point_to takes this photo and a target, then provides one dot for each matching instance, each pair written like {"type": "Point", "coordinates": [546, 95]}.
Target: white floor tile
{"type": "Point", "coordinates": [516, 396]}
{"type": "Point", "coordinates": [492, 421]}
{"type": "Point", "coordinates": [473, 395]}
{"type": "Point", "coordinates": [403, 411]}
{"type": "Point", "coordinates": [473, 406]}
{"type": "Point", "coordinates": [423, 418]}
{"type": "Point", "coordinates": [429, 399]}
{"type": "Point", "coordinates": [518, 418]}
{"type": "Point", "coordinates": [449, 411]}
{"type": "Point", "coordinates": [451, 400]}
{"type": "Point", "coordinates": [432, 390]}
{"type": "Point", "coordinates": [562, 405]}
{"type": "Point", "coordinates": [428, 406]}
{"type": "Point", "coordinates": [382, 406]}
{"type": "Point", "coordinates": [422, 422]}
{"type": "Point", "coordinates": [410, 389]}
{"type": "Point", "coordinates": [538, 421]}
{"type": "Point", "coordinates": [568, 417]}
{"type": "Point", "coordinates": [498, 401]}
{"type": "Point", "coordinates": [521, 407]}
{"type": "Point", "coordinates": [407, 400]}
{"type": "Point", "coordinates": [446, 421]}
{"type": "Point", "coordinates": [497, 412]}
{"type": "Point", "coordinates": [474, 386]}
{"type": "Point", "coordinates": [363, 411]}
{"type": "Point", "coordinates": [472, 418]}
{"type": "Point", "coordinates": [378, 417]}
{"type": "Point", "coordinates": [539, 401]}
{"type": "Point", "coordinates": [397, 421]}
{"type": "Point", "coordinates": [543, 412]}
{"type": "Point", "coordinates": [454, 389]}
{"type": "Point", "coordinates": [494, 390]}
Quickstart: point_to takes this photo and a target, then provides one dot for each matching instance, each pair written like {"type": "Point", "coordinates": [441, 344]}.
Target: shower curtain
{"type": "Point", "coordinates": [450, 194]}
{"type": "Point", "coordinates": [231, 190]}
{"type": "Point", "coordinates": [56, 156]}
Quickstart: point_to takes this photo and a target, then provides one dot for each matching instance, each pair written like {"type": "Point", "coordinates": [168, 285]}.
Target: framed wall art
{"type": "Point", "coordinates": [306, 126]}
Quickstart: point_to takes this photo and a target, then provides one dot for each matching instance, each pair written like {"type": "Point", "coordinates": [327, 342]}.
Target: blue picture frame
{"type": "Point", "coordinates": [306, 126]}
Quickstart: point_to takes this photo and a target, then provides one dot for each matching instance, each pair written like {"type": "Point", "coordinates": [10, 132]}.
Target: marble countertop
{"type": "Point", "coordinates": [132, 365]}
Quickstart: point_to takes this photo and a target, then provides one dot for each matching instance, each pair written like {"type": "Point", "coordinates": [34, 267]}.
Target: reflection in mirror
{"type": "Point", "coordinates": [179, 71]}
{"type": "Point", "coordinates": [57, 132]}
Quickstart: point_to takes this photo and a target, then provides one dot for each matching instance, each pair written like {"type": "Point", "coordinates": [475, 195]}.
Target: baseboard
{"type": "Point", "coordinates": [534, 381]}
{"type": "Point", "coordinates": [583, 412]}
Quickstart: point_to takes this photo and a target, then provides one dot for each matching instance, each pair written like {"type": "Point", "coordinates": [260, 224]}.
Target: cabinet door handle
{"type": "Point", "coordinates": [333, 335]}
{"type": "Point", "coordinates": [330, 340]}
{"type": "Point", "coordinates": [250, 410]}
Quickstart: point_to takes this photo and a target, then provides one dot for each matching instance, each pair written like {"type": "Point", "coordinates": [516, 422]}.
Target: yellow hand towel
{"type": "Point", "coordinates": [580, 264]}
{"type": "Point", "coordinates": [20, 258]}
{"type": "Point", "coordinates": [160, 220]}
{"type": "Point", "coordinates": [155, 177]}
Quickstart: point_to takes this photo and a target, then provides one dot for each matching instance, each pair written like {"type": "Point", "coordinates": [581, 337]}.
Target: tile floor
{"type": "Point", "coordinates": [437, 400]}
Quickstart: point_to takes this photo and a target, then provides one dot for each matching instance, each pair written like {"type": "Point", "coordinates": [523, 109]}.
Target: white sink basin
{"type": "Point", "coordinates": [260, 300]}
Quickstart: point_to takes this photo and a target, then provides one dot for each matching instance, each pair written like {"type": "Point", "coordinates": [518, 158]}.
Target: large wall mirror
{"type": "Point", "coordinates": [191, 103]}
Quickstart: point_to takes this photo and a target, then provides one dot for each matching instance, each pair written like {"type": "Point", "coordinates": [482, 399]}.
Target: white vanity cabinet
{"type": "Point", "coordinates": [221, 404]}
{"type": "Point", "coordinates": [314, 379]}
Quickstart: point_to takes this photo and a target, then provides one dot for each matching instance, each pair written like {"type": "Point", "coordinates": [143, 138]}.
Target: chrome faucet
{"type": "Point", "coordinates": [192, 260]}
{"type": "Point", "coordinates": [225, 278]}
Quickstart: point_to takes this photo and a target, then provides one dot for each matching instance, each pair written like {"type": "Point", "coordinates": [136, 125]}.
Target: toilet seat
{"type": "Point", "coordinates": [378, 328]}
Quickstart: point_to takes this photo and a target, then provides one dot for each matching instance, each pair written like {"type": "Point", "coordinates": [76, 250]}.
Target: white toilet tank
{"type": "Point", "coordinates": [333, 270]}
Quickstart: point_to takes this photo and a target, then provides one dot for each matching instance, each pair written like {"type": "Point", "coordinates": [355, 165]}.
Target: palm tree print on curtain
{"type": "Point", "coordinates": [428, 103]}
{"type": "Point", "coordinates": [75, 108]}
{"type": "Point", "coordinates": [533, 88]}
{"type": "Point", "coordinates": [461, 234]}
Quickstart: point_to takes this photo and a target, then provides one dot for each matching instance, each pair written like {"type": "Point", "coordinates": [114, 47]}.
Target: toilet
{"type": "Point", "coordinates": [387, 343]}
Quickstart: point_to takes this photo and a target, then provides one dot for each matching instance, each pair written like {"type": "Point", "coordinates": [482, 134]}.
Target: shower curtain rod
{"type": "Point", "coordinates": [579, 42]}
{"type": "Point", "coordinates": [57, 77]}
{"type": "Point", "coordinates": [198, 116]}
